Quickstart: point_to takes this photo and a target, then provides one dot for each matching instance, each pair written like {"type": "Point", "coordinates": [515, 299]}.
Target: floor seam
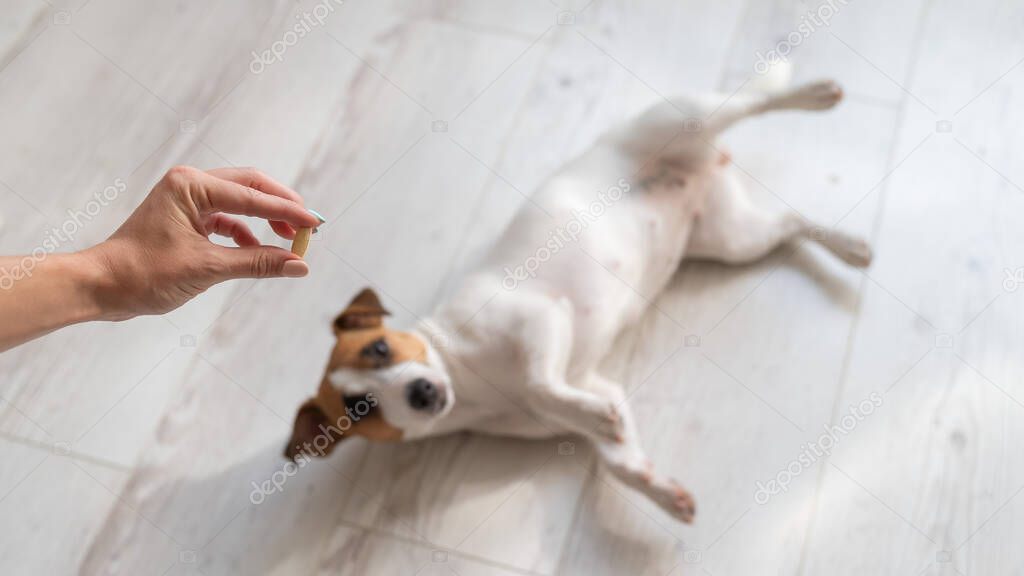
{"type": "Point", "coordinates": [844, 375]}
{"type": "Point", "coordinates": [388, 535]}
{"type": "Point", "coordinates": [72, 454]}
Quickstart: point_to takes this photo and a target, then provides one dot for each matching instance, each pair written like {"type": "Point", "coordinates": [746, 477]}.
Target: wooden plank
{"type": "Point", "coordinates": [928, 484]}
{"type": "Point", "coordinates": [234, 489]}
{"type": "Point", "coordinates": [23, 22]}
{"type": "Point", "coordinates": [358, 552]}
{"type": "Point", "coordinates": [529, 19]}
{"type": "Point", "coordinates": [867, 46]}
{"type": "Point", "coordinates": [464, 493]}
{"type": "Point", "coordinates": [48, 501]}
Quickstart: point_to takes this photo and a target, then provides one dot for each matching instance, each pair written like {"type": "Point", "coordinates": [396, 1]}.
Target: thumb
{"type": "Point", "coordinates": [262, 262]}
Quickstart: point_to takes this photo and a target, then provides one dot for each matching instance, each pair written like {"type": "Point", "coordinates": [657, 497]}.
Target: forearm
{"type": "Point", "coordinates": [40, 296]}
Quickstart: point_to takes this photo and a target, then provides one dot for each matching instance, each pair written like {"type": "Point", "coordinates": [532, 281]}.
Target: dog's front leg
{"type": "Point", "coordinates": [630, 464]}
{"type": "Point", "coordinates": [546, 340]}
{"type": "Point", "coordinates": [628, 461]}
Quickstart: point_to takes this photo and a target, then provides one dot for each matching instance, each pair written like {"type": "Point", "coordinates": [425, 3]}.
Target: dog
{"type": "Point", "coordinates": [515, 351]}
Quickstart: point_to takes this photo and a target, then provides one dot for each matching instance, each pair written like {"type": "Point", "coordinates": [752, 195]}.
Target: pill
{"type": "Point", "coordinates": [301, 242]}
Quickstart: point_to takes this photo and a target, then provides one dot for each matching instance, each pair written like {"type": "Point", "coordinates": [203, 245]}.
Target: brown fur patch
{"type": "Point", "coordinates": [364, 311]}
{"type": "Point", "coordinates": [361, 324]}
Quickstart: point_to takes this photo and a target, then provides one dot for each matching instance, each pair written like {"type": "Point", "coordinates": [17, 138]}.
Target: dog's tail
{"type": "Point", "coordinates": [774, 80]}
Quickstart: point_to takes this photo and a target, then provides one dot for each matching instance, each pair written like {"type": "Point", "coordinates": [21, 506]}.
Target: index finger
{"type": "Point", "coordinates": [256, 180]}
{"type": "Point", "coordinates": [217, 195]}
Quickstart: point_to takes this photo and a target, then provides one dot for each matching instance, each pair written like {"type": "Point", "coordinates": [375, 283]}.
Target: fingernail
{"type": "Point", "coordinates": [318, 217]}
{"type": "Point", "coordinates": [295, 269]}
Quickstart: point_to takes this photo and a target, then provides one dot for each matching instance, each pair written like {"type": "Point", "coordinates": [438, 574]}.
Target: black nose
{"type": "Point", "coordinates": [422, 393]}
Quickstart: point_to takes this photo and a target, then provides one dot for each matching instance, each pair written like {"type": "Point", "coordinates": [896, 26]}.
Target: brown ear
{"type": "Point", "coordinates": [364, 311]}
{"type": "Point", "coordinates": [313, 434]}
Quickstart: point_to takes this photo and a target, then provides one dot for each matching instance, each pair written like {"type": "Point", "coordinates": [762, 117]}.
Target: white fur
{"type": "Point", "coordinates": [389, 386]}
{"type": "Point", "coordinates": [522, 357]}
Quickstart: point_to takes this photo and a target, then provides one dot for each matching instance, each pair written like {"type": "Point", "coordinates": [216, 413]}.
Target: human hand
{"type": "Point", "coordinates": [161, 257]}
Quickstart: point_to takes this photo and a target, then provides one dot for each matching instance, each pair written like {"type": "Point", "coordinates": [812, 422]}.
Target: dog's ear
{"type": "Point", "coordinates": [364, 311]}
{"type": "Point", "coordinates": [313, 433]}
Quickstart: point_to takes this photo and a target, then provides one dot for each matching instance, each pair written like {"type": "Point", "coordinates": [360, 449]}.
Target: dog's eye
{"type": "Point", "coordinates": [378, 350]}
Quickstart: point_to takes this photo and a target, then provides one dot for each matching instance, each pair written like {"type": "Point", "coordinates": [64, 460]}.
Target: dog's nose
{"type": "Point", "coordinates": [422, 393]}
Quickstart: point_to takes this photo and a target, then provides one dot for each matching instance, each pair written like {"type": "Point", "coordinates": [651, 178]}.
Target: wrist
{"type": "Point", "coordinates": [91, 272]}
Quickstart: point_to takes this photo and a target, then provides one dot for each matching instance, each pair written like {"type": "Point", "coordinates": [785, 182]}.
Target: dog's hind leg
{"type": "Point", "coordinates": [820, 95]}
{"type": "Point", "coordinates": [732, 229]}
{"type": "Point", "coordinates": [685, 126]}
{"type": "Point", "coordinates": [630, 464]}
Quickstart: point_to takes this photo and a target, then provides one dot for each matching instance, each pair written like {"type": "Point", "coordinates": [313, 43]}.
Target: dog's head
{"type": "Point", "coordinates": [379, 383]}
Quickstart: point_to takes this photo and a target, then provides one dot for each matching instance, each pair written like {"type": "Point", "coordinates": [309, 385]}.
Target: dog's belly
{"type": "Point", "coordinates": [610, 255]}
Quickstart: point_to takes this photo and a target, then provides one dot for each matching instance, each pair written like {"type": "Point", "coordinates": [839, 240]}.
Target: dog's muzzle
{"type": "Point", "coordinates": [424, 396]}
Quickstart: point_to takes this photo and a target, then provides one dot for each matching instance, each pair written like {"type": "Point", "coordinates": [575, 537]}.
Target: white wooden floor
{"type": "Point", "coordinates": [417, 127]}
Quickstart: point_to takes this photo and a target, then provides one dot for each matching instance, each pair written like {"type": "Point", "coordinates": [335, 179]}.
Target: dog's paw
{"type": "Point", "coordinates": [853, 250]}
{"type": "Point", "coordinates": [820, 95]}
{"type": "Point", "coordinates": [684, 507]}
{"type": "Point", "coordinates": [859, 254]}
{"type": "Point", "coordinates": [604, 420]}
{"type": "Point", "coordinates": [676, 500]}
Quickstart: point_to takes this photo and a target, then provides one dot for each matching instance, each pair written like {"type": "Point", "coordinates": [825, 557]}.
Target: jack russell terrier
{"type": "Point", "coordinates": [515, 351]}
